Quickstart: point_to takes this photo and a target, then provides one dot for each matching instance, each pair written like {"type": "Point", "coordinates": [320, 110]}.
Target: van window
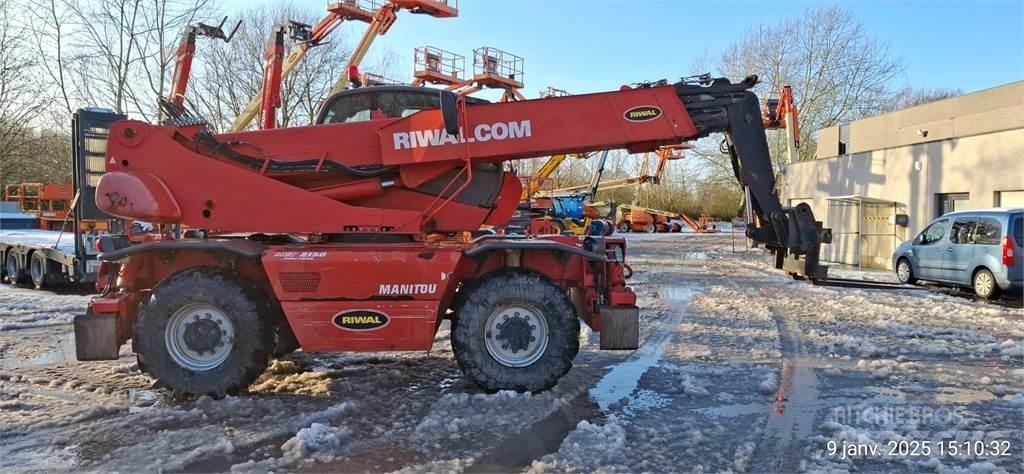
{"type": "Point", "coordinates": [934, 232]}
{"type": "Point", "coordinates": [1018, 231]}
{"type": "Point", "coordinates": [961, 231]}
{"type": "Point", "coordinates": [988, 232]}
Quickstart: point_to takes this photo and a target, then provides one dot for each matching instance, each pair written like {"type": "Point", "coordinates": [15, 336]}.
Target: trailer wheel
{"type": "Point", "coordinates": [15, 272]}
{"type": "Point", "coordinates": [517, 330]}
{"type": "Point", "coordinates": [202, 333]}
{"type": "Point", "coordinates": [39, 270]}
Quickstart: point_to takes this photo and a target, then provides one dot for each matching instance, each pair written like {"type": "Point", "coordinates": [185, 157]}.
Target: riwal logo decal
{"type": "Point", "coordinates": [361, 320]}
{"type": "Point", "coordinates": [410, 289]}
{"type": "Point", "coordinates": [642, 113]}
{"type": "Point", "coordinates": [483, 132]}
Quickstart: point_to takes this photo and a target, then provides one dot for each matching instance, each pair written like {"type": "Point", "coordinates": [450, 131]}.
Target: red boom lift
{"type": "Point", "coordinates": [352, 235]}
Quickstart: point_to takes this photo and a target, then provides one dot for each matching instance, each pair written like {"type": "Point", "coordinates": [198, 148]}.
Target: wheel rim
{"type": "Point", "coordinates": [516, 335]}
{"type": "Point", "coordinates": [983, 283]}
{"type": "Point", "coordinates": [36, 267]}
{"type": "Point", "coordinates": [199, 337]}
{"type": "Point", "coordinates": [903, 271]}
{"type": "Point", "coordinates": [12, 268]}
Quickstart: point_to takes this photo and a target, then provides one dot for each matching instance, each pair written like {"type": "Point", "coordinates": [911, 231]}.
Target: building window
{"type": "Point", "coordinates": [950, 202]}
{"type": "Point", "coordinates": [844, 139]}
{"type": "Point", "coordinates": [1010, 199]}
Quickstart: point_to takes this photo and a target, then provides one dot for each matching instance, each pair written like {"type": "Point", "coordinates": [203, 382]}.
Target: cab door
{"type": "Point", "coordinates": [959, 250]}
{"type": "Point", "coordinates": [929, 249]}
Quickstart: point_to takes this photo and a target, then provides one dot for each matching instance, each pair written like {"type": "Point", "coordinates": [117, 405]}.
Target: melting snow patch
{"type": "Point", "coordinates": [588, 448]}
{"type": "Point", "coordinates": [769, 384]}
{"type": "Point", "coordinates": [315, 439]}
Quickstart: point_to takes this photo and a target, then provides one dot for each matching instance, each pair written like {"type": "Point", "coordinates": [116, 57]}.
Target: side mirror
{"type": "Point", "coordinates": [450, 112]}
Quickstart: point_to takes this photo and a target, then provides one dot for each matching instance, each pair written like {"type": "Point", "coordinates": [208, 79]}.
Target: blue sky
{"type": "Point", "coordinates": [593, 45]}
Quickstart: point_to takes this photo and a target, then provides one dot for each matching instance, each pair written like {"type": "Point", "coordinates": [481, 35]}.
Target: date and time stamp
{"type": "Point", "coordinates": [942, 448]}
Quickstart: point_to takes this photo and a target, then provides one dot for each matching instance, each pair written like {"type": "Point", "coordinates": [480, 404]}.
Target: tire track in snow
{"type": "Point", "coordinates": [790, 423]}
{"type": "Point", "coordinates": [624, 377]}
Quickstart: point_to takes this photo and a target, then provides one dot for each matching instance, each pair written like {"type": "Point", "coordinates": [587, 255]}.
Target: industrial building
{"type": "Point", "coordinates": [878, 181]}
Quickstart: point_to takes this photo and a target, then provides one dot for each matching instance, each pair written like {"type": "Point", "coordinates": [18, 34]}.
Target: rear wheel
{"type": "Point", "coordinates": [39, 270]}
{"type": "Point", "coordinates": [649, 228]}
{"type": "Point", "coordinates": [557, 227]}
{"type": "Point", "coordinates": [985, 284]}
{"type": "Point", "coordinates": [516, 330]}
{"type": "Point", "coordinates": [15, 272]}
{"type": "Point", "coordinates": [624, 227]}
{"type": "Point", "coordinates": [904, 272]}
{"type": "Point", "coordinates": [202, 333]}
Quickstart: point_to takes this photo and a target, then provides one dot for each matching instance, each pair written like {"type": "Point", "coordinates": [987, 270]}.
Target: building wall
{"type": "Point", "coordinates": [974, 144]}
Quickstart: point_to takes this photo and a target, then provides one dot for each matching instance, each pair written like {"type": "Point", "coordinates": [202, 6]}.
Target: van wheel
{"type": "Point", "coordinates": [516, 330]}
{"type": "Point", "coordinates": [985, 284]}
{"type": "Point", "coordinates": [904, 272]}
{"type": "Point", "coordinates": [203, 332]}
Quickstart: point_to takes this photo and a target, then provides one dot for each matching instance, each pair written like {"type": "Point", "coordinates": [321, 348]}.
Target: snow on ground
{"type": "Point", "coordinates": [740, 370]}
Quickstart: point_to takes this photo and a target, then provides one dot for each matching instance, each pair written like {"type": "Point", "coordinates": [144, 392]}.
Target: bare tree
{"type": "Point", "coordinates": [909, 96]}
{"type": "Point", "coordinates": [20, 100]}
{"type": "Point", "coordinates": [230, 75]}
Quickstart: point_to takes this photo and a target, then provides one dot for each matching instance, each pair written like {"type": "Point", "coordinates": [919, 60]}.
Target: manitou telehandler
{"type": "Point", "coordinates": [352, 235]}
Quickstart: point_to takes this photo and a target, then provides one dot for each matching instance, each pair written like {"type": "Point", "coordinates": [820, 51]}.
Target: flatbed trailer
{"type": "Point", "coordinates": [47, 258]}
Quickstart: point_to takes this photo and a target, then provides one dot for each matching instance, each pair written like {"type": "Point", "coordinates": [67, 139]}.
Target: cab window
{"type": "Point", "coordinates": [934, 232]}
{"type": "Point", "coordinates": [380, 104]}
{"type": "Point", "coordinates": [352, 108]}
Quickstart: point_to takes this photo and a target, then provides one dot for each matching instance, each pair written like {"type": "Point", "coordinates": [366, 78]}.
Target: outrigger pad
{"type": "Point", "coordinates": [620, 327]}
{"type": "Point", "coordinates": [96, 337]}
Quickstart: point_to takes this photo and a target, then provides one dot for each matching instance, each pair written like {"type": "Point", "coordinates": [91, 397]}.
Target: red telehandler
{"type": "Point", "coordinates": [353, 235]}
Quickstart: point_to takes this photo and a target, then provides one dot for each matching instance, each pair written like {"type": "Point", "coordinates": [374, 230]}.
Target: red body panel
{"type": "Point", "coordinates": [411, 325]}
{"type": "Point", "coordinates": [407, 283]}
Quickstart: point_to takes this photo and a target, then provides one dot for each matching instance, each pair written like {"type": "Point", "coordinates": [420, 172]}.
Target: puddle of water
{"type": "Point", "coordinates": [624, 377]}
{"type": "Point", "coordinates": [539, 439]}
{"type": "Point", "coordinates": [63, 350]}
{"type": "Point", "coordinates": [732, 411]}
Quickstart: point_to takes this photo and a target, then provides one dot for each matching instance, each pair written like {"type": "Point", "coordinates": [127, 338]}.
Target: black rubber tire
{"type": "Point", "coordinates": [285, 341]}
{"type": "Point", "coordinates": [991, 294]}
{"type": "Point", "coordinates": [558, 226]}
{"type": "Point", "coordinates": [910, 279]}
{"type": "Point", "coordinates": [39, 270]}
{"type": "Point", "coordinates": [249, 310]}
{"type": "Point", "coordinates": [515, 286]}
{"type": "Point", "coordinates": [624, 227]}
{"type": "Point", "coordinates": [15, 273]}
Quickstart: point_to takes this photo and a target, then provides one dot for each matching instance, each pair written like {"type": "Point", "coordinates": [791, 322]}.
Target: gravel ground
{"type": "Point", "coordinates": [740, 369]}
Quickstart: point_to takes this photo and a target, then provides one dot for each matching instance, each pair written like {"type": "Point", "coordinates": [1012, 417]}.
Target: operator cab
{"type": "Point", "coordinates": [381, 102]}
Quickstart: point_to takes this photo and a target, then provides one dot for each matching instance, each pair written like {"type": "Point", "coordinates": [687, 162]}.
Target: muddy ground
{"type": "Point", "coordinates": [740, 369]}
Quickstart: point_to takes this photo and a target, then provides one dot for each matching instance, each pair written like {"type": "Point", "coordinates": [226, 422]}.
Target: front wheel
{"type": "Point", "coordinates": [202, 333]}
{"type": "Point", "coordinates": [516, 330]}
{"type": "Point", "coordinates": [904, 272]}
{"type": "Point", "coordinates": [985, 284]}
{"type": "Point", "coordinates": [624, 227]}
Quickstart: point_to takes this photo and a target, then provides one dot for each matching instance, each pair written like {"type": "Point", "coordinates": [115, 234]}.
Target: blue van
{"type": "Point", "coordinates": [979, 249]}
